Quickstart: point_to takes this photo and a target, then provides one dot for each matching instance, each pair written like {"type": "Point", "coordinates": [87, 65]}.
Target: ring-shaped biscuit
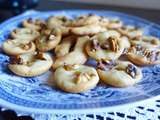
{"type": "Point", "coordinates": [131, 31]}
{"type": "Point", "coordinates": [77, 56]}
{"type": "Point", "coordinates": [61, 22]}
{"type": "Point", "coordinates": [35, 24]}
{"type": "Point", "coordinates": [30, 64]}
{"type": "Point", "coordinates": [120, 74]}
{"type": "Point", "coordinates": [105, 46]}
{"type": "Point", "coordinates": [58, 21]}
{"type": "Point", "coordinates": [148, 42]}
{"type": "Point", "coordinates": [25, 34]}
{"type": "Point", "coordinates": [18, 46]}
{"type": "Point", "coordinates": [87, 29]}
{"type": "Point", "coordinates": [114, 23]}
{"type": "Point", "coordinates": [141, 56]}
{"type": "Point", "coordinates": [86, 20]}
{"type": "Point", "coordinates": [48, 39]}
{"type": "Point", "coordinates": [76, 78]}
{"type": "Point", "coordinates": [64, 47]}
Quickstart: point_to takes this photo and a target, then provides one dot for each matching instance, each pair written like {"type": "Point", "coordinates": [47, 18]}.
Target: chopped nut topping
{"type": "Point", "coordinates": [105, 45]}
{"type": "Point", "coordinates": [52, 37]}
{"type": "Point", "coordinates": [154, 42]}
{"type": "Point", "coordinates": [113, 41]}
{"type": "Point", "coordinates": [87, 76]}
{"type": "Point", "coordinates": [40, 56]}
{"type": "Point", "coordinates": [47, 32]}
{"type": "Point", "coordinates": [82, 77]}
{"type": "Point", "coordinates": [147, 53]}
{"type": "Point", "coordinates": [15, 60]}
{"type": "Point", "coordinates": [95, 44]}
{"type": "Point", "coordinates": [131, 70]}
{"type": "Point", "coordinates": [70, 67]}
{"type": "Point", "coordinates": [105, 64]}
{"type": "Point", "coordinates": [26, 46]}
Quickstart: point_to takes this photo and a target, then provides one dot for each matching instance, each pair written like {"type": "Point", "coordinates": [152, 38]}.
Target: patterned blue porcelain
{"type": "Point", "coordinates": [36, 94]}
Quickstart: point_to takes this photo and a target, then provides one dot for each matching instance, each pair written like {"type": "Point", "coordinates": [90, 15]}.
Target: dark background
{"type": "Point", "coordinates": [44, 5]}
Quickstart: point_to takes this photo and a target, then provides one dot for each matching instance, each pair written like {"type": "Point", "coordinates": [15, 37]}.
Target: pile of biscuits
{"type": "Point", "coordinates": [65, 45]}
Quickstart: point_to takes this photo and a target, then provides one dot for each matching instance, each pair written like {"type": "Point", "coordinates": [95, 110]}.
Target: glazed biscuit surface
{"type": "Point", "coordinates": [18, 46]}
{"type": "Point", "coordinates": [121, 74]}
{"type": "Point", "coordinates": [131, 31]}
{"type": "Point", "coordinates": [105, 45]}
{"type": "Point", "coordinates": [87, 30]}
{"type": "Point", "coordinates": [48, 39]}
{"type": "Point", "coordinates": [35, 24]}
{"type": "Point", "coordinates": [76, 78]}
{"type": "Point", "coordinates": [30, 64]}
{"type": "Point", "coordinates": [148, 42]}
{"type": "Point", "coordinates": [64, 47]}
{"type": "Point", "coordinates": [25, 34]}
{"type": "Point", "coordinates": [141, 56]}
{"type": "Point", "coordinates": [77, 56]}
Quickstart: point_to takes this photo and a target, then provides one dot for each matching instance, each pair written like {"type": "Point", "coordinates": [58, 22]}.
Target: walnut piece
{"type": "Point", "coordinates": [15, 60]}
{"type": "Point", "coordinates": [113, 43]}
{"type": "Point", "coordinates": [131, 70]}
{"type": "Point", "coordinates": [70, 67]}
{"type": "Point", "coordinates": [40, 56]}
{"type": "Point", "coordinates": [105, 64]}
{"type": "Point", "coordinates": [82, 77]}
{"type": "Point", "coordinates": [95, 45]}
{"type": "Point", "coordinates": [26, 46]}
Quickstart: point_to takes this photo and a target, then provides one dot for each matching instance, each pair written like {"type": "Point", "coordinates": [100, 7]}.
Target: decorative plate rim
{"type": "Point", "coordinates": [9, 105]}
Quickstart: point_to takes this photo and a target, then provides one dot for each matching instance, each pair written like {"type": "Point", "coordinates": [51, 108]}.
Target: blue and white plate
{"type": "Point", "coordinates": [35, 95]}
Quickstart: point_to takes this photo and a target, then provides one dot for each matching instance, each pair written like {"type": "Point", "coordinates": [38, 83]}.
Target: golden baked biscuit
{"type": "Point", "coordinates": [105, 45]}
{"type": "Point", "coordinates": [87, 29]}
{"type": "Point", "coordinates": [48, 39]}
{"type": "Point", "coordinates": [61, 22]}
{"type": "Point", "coordinates": [30, 64]}
{"type": "Point", "coordinates": [65, 46]}
{"type": "Point", "coordinates": [76, 78]}
{"type": "Point", "coordinates": [141, 56]}
{"type": "Point", "coordinates": [130, 31]}
{"type": "Point", "coordinates": [35, 24]}
{"type": "Point", "coordinates": [119, 74]}
{"type": "Point", "coordinates": [84, 20]}
{"type": "Point", "coordinates": [148, 42]}
{"type": "Point", "coordinates": [77, 56]}
{"type": "Point", "coordinates": [17, 46]}
{"type": "Point", "coordinates": [25, 34]}
{"type": "Point", "coordinates": [114, 23]}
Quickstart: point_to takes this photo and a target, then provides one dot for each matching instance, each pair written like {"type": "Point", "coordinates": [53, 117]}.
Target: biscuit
{"type": "Point", "coordinates": [17, 46]}
{"type": "Point", "coordinates": [48, 39]}
{"type": "Point", "coordinates": [87, 30]}
{"type": "Point", "coordinates": [141, 56]}
{"type": "Point", "coordinates": [148, 42]}
{"type": "Point", "coordinates": [35, 24]}
{"type": "Point", "coordinates": [30, 64]}
{"type": "Point", "coordinates": [76, 78]}
{"type": "Point", "coordinates": [121, 74]}
{"type": "Point", "coordinates": [125, 41]}
{"type": "Point", "coordinates": [84, 20]}
{"type": "Point", "coordinates": [24, 34]}
{"type": "Point", "coordinates": [77, 56]}
{"type": "Point", "coordinates": [105, 46]}
{"type": "Point", "coordinates": [64, 47]}
{"type": "Point", "coordinates": [114, 23]}
{"type": "Point", "coordinates": [131, 31]}
{"type": "Point", "coordinates": [60, 22]}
